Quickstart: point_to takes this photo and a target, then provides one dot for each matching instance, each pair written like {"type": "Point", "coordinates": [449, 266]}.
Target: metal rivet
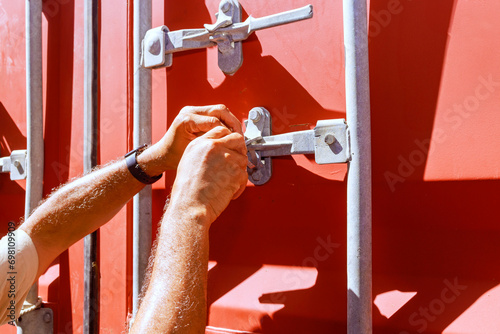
{"type": "Point", "coordinates": [17, 163]}
{"type": "Point", "coordinates": [255, 115]}
{"type": "Point", "coordinates": [226, 6]}
{"type": "Point", "coordinates": [47, 317]}
{"type": "Point", "coordinates": [330, 139]}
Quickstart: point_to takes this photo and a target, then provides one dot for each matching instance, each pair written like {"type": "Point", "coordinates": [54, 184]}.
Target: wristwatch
{"type": "Point", "coordinates": [136, 170]}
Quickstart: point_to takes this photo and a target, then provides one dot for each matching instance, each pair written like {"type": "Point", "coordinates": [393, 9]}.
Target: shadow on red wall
{"type": "Point", "coordinates": [427, 236]}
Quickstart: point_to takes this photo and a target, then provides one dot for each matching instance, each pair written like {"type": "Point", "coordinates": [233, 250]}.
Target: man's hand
{"type": "Point", "coordinates": [211, 172]}
{"type": "Point", "coordinates": [190, 123]}
{"type": "Point", "coordinates": [82, 206]}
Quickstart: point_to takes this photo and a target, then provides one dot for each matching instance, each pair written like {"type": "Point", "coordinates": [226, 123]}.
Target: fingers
{"type": "Point", "coordinates": [221, 112]}
{"type": "Point", "coordinates": [199, 123]}
{"type": "Point", "coordinates": [243, 185]}
{"type": "Point", "coordinates": [235, 142]}
{"type": "Point", "coordinates": [240, 169]}
{"type": "Point", "coordinates": [231, 140]}
{"type": "Point", "coordinates": [236, 168]}
{"type": "Point", "coordinates": [236, 159]}
{"type": "Point", "coordinates": [217, 132]}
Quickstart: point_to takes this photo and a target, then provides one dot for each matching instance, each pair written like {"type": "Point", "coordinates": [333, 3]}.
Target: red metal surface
{"type": "Point", "coordinates": [278, 253]}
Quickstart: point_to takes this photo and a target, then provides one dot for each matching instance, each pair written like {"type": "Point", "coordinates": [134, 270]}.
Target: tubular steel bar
{"type": "Point", "coordinates": [359, 191]}
{"type": "Point", "coordinates": [34, 115]}
{"type": "Point", "coordinates": [90, 142]}
{"type": "Point", "coordinates": [142, 135]}
{"type": "Point", "coordinates": [35, 145]}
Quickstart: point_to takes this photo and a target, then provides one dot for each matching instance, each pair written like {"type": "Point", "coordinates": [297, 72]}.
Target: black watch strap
{"type": "Point", "coordinates": [136, 170]}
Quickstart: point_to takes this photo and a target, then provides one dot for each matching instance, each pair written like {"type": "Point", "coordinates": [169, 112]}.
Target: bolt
{"type": "Point", "coordinates": [255, 115]}
{"type": "Point", "coordinates": [17, 163]}
{"type": "Point", "coordinates": [330, 139]}
{"type": "Point", "coordinates": [226, 6]}
{"type": "Point", "coordinates": [256, 175]}
{"type": "Point", "coordinates": [47, 317]}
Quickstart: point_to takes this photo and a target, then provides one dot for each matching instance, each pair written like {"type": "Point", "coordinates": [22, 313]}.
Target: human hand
{"type": "Point", "coordinates": [212, 171]}
{"type": "Point", "coordinates": [190, 123]}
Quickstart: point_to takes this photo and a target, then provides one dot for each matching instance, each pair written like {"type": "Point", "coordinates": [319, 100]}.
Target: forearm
{"type": "Point", "coordinates": [175, 300]}
{"type": "Point", "coordinates": [79, 208]}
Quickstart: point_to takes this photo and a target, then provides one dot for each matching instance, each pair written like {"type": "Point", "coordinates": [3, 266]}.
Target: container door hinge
{"type": "Point", "coordinates": [227, 33]}
{"type": "Point", "coordinates": [15, 165]}
{"type": "Point", "coordinates": [328, 141]}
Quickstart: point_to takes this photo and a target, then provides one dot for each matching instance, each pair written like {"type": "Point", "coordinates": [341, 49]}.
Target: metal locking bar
{"type": "Point", "coordinates": [227, 33]}
{"type": "Point", "coordinates": [328, 141]}
{"type": "Point", "coordinates": [15, 165]}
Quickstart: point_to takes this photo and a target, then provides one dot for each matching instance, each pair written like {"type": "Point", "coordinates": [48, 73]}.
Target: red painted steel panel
{"type": "Point", "coordinates": [265, 237]}
{"type": "Point", "coordinates": [12, 115]}
{"type": "Point", "coordinates": [278, 252]}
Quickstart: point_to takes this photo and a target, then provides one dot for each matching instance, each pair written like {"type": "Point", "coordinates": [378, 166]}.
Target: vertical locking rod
{"type": "Point", "coordinates": [34, 115]}
{"type": "Point", "coordinates": [34, 124]}
{"type": "Point", "coordinates": [90, 142]}
{"type": "Point", "coordinates": [359, 187]}
{"type": "Point", "coordinates": [142, 135]}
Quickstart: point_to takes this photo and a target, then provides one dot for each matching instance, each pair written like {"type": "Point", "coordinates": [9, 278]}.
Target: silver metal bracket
{"type": "Point", "coordinates": [40, 321]}
{"type": "Point", "coordinates": [227, 33]}
{"type": "Point", "coordinates": [15, 165]}
{"type": "Point", "coordinates": [328, 141]}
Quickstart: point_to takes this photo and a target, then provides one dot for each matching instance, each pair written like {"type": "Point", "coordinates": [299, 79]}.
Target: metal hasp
{"type": "Point", "coordinates": [227, 33]}
{"type": "Point", "coordinates": [15, 165]}
{"type": "Point", "coordinates": [328, 141]}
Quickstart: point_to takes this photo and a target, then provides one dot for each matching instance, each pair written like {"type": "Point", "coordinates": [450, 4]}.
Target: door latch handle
{"type": "Point", "coordinates": [227, 33]}
{"type": "Point", "coordinates": [328, 141]}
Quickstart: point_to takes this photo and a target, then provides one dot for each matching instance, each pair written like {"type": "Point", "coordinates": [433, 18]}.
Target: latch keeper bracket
{"type": "Point", "coordinates": [15, 164]}
{"type": "Point", "coordinates": [328, 141]}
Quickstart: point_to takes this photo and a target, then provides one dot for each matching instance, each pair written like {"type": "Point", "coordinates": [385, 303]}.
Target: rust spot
{"type": "Point", "coordinates": [303, 125]}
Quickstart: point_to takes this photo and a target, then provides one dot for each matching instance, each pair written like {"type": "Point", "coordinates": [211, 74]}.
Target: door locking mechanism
{"type": "Point", "coordinates": [227, 33]}
{"type": "Point", "coordinates": [328, 141]}
{"type": "Point", "coordinates": [15, 165]}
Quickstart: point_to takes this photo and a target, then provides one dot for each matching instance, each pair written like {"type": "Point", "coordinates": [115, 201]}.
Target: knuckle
{"type": "Point", "coordinates": [188, 122]}
{"type": "Point", "coordinates": [224, 129]}
{"type": "Point", "coordinates": [186, 110]}
{"type": "Point", "coordinates": [184, 118]}
{"type": "Point", "coordinates": [239, 137]}
{"type": "Point", "coordinates": [211, 146]}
